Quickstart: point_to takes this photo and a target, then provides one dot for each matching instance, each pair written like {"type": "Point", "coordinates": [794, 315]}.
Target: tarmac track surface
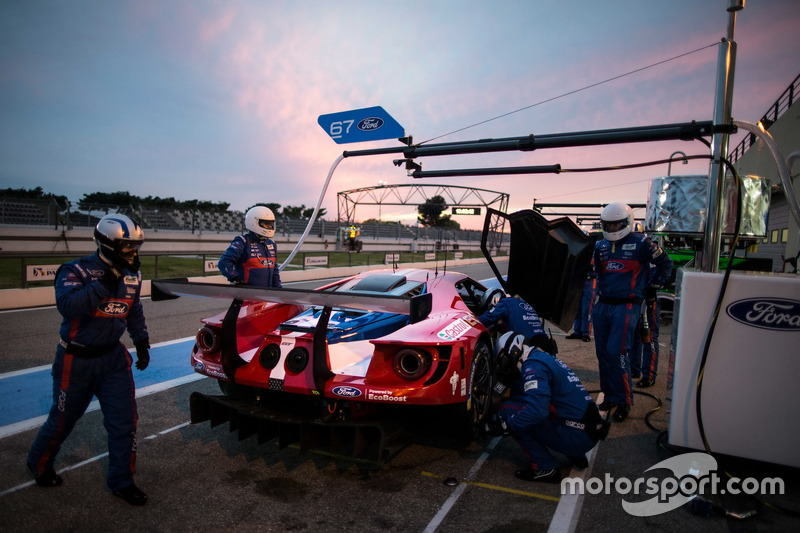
{"type": "Point", "coordinates": [200, 478]}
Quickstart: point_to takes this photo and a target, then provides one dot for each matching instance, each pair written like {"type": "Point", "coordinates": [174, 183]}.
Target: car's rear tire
{"type": "Point", "coordinates": [481, 381]}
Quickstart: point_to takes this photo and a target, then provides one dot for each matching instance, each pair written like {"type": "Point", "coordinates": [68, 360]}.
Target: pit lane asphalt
{"type": "Point", "coordinates": [200, 478]}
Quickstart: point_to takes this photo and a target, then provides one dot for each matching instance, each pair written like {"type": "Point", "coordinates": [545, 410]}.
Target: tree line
{"type": "Point", "coordinates": [122, 198]}
{"type": "Point", "coordinates": [429, 213]}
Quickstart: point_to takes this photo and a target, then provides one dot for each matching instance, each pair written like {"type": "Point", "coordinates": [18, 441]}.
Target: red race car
{"type": "Point", "coordinates": [369, 347]}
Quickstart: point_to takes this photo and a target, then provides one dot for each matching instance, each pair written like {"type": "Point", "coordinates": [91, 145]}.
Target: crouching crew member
{"type": "Point", "coordinates": [548, 409]}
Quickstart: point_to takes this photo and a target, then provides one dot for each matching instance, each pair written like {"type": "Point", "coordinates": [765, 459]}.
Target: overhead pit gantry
{"type": "Point", "coordinates": [413, 194]}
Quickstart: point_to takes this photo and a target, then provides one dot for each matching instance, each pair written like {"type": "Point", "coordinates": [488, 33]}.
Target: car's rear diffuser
{"type": "Point", "coordinates": [374, 440]}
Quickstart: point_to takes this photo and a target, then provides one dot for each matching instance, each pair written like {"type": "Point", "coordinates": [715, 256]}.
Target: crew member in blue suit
{"type": "Point", "coordinates": [98, 298]}
{"type": "Point", "coordinates": [252, 258]}
{"type": "Point", "coordinates": [622, 260]}
{"type": "Point", "coordinates": [548, 410]}
{"type": "Point", "coordinates": [516, 315]}
{"type": "Point", "coordinates": [582, 326]}
{"type": "Point", "coordinates": [644, 349]}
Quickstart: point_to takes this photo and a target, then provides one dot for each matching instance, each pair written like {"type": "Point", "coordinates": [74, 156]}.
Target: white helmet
{"type": "Point", "coordinates": [508, 349]}
{"type": "Point", "coordinates": [617, 221]}
{"type": "Point", "coordinates": [118, 238]}
{"type": "Point", "coordinates": [261, 221]}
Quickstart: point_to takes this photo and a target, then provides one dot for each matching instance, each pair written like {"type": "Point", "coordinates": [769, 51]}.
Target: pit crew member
{"type": "Point", "coordinates": [98, 298]}
{"type": "Point", "coordinates": [252, 258]}
{"type": "Point", "coordinates": [621, 260]}
{"type": "Point", "coordinates": [548, 409]}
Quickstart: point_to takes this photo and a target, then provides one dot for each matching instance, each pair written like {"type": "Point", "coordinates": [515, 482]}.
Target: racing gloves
{"type": "Point", "coordinates": [142, 354]}
{"type": "Point", "coordinates": [651, 293]}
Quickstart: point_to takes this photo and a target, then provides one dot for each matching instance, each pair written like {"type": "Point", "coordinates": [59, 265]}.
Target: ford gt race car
{"type": "Point", "coordinates": [365, 348]}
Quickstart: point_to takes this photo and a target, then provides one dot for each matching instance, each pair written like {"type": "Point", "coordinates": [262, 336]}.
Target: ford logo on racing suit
{"type": "Point", "coordinates": [370, 124]}
{"type": "Point", "coordinates": [779, 314]}
{"type": "Point", "coordinates": [347, 392]}
{"type": "Point", "coordinates": [614, 265]}
{"type": "Point", "coordinates": [113, 308]}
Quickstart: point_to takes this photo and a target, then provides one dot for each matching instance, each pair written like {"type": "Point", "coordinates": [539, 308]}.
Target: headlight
{"type": "Point", "coordinates": [269, 356]}
{"type": "Point", "coordinates": [411, 363]}
{"type": "Point", "coordinates": [207, 340]}
{"type": "Point", "coordinates": [297, 360]}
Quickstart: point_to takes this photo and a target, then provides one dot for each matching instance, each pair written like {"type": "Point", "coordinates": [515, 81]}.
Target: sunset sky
{"type": "Point", "coordinates": [219, 100]}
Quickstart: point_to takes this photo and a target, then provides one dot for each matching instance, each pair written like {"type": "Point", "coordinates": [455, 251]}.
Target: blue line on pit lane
{"type": "Point", "coordinates": [29, 395]}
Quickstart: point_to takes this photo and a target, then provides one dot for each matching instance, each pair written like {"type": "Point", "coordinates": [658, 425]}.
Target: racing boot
{"type": "Point", "coordinates": [131, 494]}
{"type": "Point", "coordinates": [622, 413]}
{"type": "Point", "coordinates": [545, 476]}
{"type": "Point", "coordinates": [645, 383]}
{"type": "Point", "coordinates": [47, 478]}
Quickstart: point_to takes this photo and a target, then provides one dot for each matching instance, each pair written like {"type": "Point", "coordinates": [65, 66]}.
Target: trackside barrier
{"type": "Point", "coordinates": [45, 296]}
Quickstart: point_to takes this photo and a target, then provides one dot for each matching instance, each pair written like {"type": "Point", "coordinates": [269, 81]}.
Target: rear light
{"type": "Point", "coordinates": [411, 363]}
{"type": "Point", "coordinates": [297, 360]}
{"type": "Point", "coordinates": [207, 340]}
{"type": "Point", "coordinates": [269, 356]}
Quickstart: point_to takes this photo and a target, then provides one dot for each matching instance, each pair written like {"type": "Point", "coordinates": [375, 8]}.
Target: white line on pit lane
{"type": "Point", "coordinates": [31, 370]}
{"type": "Point", "coordinates": [437, 520]}
{"type": "Point", "coordinates": [91, 460]}
{"type": "Point", "coordinates": [24, 425]}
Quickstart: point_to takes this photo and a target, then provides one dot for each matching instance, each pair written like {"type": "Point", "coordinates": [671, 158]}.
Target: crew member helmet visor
{"type": "Point", "coordinates": [118, 237]}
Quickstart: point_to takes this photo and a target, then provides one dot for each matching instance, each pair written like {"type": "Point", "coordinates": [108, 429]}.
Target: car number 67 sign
{"type": "Point", "coordinates": [358, 125]}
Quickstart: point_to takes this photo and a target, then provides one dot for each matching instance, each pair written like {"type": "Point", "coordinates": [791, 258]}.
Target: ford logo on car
{"type": "Point", "coordinates": [778, 314]}
{"type": "Point", "coordinates": [347, 392]}
{"type": "Point", "coordinates": [369, 124]}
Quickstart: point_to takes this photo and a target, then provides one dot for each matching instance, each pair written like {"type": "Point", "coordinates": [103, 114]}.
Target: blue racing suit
{"type": "Point", "coordinates": [252, 260]}
{"type": "Point", "coordinates": [622, 274]}
{"type": "Point", "coordinates": [547, 400]}
{"type": "Point", "coordinates": [518, 316]}
{"type": "Point", "coordinates": [644, 355]}
{"type": "Point", "coordinates": [583, 318]}
{"type": "Point", "coordinates": [91, 361]}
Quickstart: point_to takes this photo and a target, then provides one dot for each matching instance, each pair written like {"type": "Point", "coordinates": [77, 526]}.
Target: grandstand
{"type": "Point", "coordinates": [22, 211]}
{"type": "Point", "coordinates": [46, 212]}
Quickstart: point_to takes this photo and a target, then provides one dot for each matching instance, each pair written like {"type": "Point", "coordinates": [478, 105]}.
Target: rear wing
{"type": "Point", "coordinates": [417, 307]}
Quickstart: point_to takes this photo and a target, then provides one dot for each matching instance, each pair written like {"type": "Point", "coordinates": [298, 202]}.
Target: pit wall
{"type": "Point", "coordinates": [45, 296]}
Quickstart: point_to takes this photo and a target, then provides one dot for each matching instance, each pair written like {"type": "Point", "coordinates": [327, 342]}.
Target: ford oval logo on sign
{"type": "Point", "coordinates": [778, 314]}
{"type": "Point", "coordinates": [370, 124]}
{"type": "Point", "coordinates": [347, 392]}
